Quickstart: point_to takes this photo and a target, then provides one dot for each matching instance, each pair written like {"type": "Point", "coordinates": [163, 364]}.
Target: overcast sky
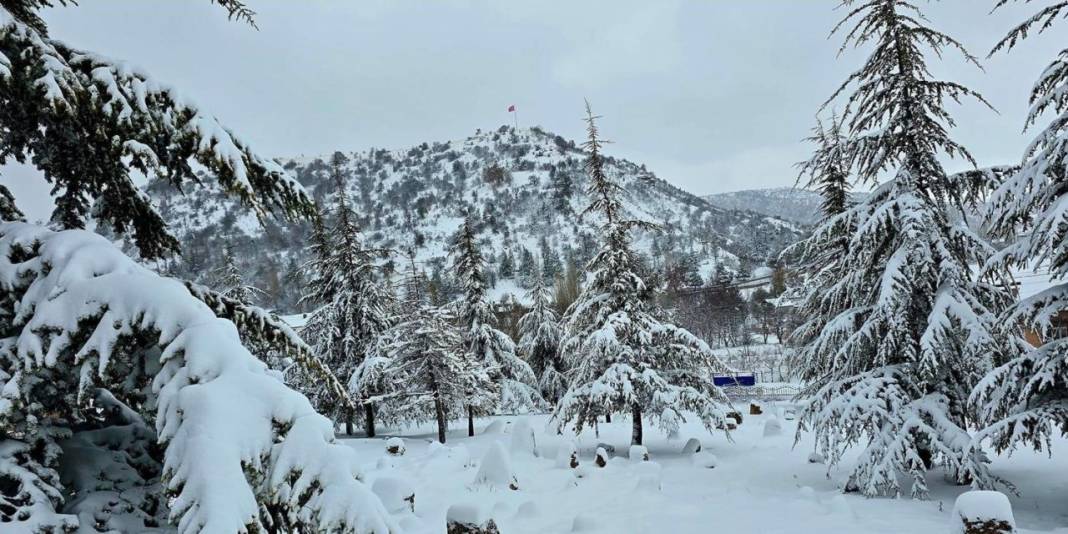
{"type": "Point", "coordinates": [713, 95]}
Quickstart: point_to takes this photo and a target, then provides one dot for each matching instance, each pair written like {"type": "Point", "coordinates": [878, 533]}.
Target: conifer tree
{"type": "Point", "coordinates": [821, 256]}
{"type": "Point", "coordinates": [354, 304]}
{"type": "Point", "coordinates": [230, 281]}
{"type": "Point", "coordinates": [429, 375]}
{"type": "Point", "coordinates": [160, 398]}
{"type": "Point", "coordinates": [623, 359]}
{"type": "Point", "coordinates": [88, 123]}
{"type": "Point", "coordinates": [539, 342]}
{"type": "Point", "coordinates": [1025, 399]}
{"type": "Point", "coordinates": [487, 344]}
{"type": "Point", "coordinates": [909, 327]}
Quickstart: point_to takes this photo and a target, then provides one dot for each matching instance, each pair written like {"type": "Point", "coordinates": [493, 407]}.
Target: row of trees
{"type": "Point", "coordinates": [407, 359]}
{"type": "Point", "coordinates": [911, 338]}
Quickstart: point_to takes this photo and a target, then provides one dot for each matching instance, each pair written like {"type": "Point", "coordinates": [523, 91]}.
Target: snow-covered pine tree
{"type": "Point", "coordinates": [8, 210]}
{"type": "Point", "coordinates": [354, 304]}
{"type": "Point", "coordinates": [103, 362]}
{"type": "Point", "coordinates": [87, 122]}
{"type": "Point", "coordinates": [493, 348]}
{"type": "Point", "coordinates": [1025, 400]}
{"type": "Point", "coordinates": [230, 281]}
{"type": "Point", "coordinates": [539, 342]}
{"type": "Point", "coordinates": [821, 256]}
{"type": "Point", "coordinates": [623, 359]}
{"type": "Point", "coordinates": [915, 326]}
{"type": "Point", "coordinates": [431, 374]}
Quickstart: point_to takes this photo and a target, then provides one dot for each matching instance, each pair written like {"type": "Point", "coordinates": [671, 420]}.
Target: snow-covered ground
{"type": "Point", "coordinates": [760, 485]}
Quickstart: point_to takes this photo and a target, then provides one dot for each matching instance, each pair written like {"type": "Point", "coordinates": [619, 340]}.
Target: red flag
{"type": "Point", "coordinates": [511, 108]}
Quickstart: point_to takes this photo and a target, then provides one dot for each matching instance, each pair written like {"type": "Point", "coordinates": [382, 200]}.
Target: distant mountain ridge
{"type": "Point", "coordinates": [526, 188]}
{"type": "Point", "coordinates": [801, 206]}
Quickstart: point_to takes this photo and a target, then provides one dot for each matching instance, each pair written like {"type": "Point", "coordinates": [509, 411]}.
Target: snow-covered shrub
{"type": "Point", "coordinates": [638, 453]}
{"type": "Point", "coordinates": [94, 341]}
{"type": "Point", "coordinates": [693, 446]}
{"type": "Point", "coordinates": [983, 512]}
{"type": "Point", "coordinates": [567, 455]}
{"type": "Point", "coordinates": [397, 493]}
{"type": "Point", "coordinates": [495, 469]}
{"type": "Point", "coordinates": [469, 519]}
{"type": "Point", "coordinates": [395, 446]}
{"type": "Point", "coordinates": [601, 459]}
{"type": "Point", "coordinates": [523, 441]}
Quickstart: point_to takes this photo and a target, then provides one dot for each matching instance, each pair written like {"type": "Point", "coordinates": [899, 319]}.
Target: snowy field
{"type": "Point", "coordinates": [760, 485]}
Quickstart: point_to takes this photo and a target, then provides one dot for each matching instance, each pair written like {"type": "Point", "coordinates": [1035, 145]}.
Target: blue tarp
{"type": "Point", "coordinates": [737, 379]}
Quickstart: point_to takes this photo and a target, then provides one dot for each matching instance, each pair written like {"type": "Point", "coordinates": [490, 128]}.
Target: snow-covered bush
{"type": "Point", "coordinates": [567, 455]}
{"type": "Point", "coordinates": [638, 453]}
{"type": "Point", "coordinates": [601, 458]}
{"type": "Point", "coordinates": [469, 519]}
{"type": "Point", "coordinates": [395, 446]}
{"type": "Point", "coordinates": [495, 469]}
{"type": "Point", "coordinates": [94, 344]}
{"type": "Point", "coordinates": [523, 441]}
{"type": "Point", "coordinates": [397, 493]}
{"type": "Point", "coordinates": [983, 512]}
{"type": "Point", "coordinates": [693, 446]}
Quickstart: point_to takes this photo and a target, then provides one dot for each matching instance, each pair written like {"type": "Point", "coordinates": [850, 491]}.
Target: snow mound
{"type": "Point", "coordinates": [772, 428]}
{"type": "Point", "coordinates": [567, 455]}
{"type": "Point", "coordinates": [495, 469]}
{"type": "Point", "coordinates": [583, 523]}
{"type": "Point", "coordinates": [395, 446]}
{"type": "Point", "coordinates": [638, 453]}
{"type": "Point", "coordinates": [528, 510]}
{"type": "Point", "coordinates": [602, 457]}
{"type": "Point", "coordinates": [990, 509]}
{"type": "Point", "coordinates": [523, 442]}
{"type": "Point", "coordinates": [705, 460]}
{"type": "Point", "coordinates": [495, 427]}
{"type": "Point", "coordinates": [693, 446]}
{"type": "Point", "coordinates": [468, 514]}
{"type": "Point", "coordinates": [396, 493]}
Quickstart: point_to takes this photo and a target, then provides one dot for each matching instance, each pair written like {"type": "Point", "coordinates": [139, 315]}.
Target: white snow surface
{"type": "Point", "coordinates": [758, 485]}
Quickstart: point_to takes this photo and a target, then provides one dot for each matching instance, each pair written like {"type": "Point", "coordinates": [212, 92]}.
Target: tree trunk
{"type": "Point", "coordinates": [470, 422]}
{"type": "Point", "coordinates": [439, 410]}
{"type": "Point", "coordinates": [636, 422]}
{"type": "Point", "coordinates": [369, 419]}
{"type": "Point", "coordinates": [608, 417]}
{"type": "Point", "coordinates": [348, 423]}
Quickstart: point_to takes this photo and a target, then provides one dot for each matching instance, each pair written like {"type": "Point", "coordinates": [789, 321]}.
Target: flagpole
{"type": "Point", "coordinates": [515, 118]}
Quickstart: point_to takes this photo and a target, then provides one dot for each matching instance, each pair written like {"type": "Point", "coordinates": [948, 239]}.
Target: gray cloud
{"type": "Point", "coordinates": [713, 96]}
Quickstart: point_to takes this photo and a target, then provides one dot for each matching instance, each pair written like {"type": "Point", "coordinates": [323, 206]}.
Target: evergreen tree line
{"type": "Point", "coordinates": [409, 357]}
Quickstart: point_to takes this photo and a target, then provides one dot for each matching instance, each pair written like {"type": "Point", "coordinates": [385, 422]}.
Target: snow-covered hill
{"type": "Point", "coordinates": [526, 188]}
{"type": "Point", "coordinates": [792, 204]}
